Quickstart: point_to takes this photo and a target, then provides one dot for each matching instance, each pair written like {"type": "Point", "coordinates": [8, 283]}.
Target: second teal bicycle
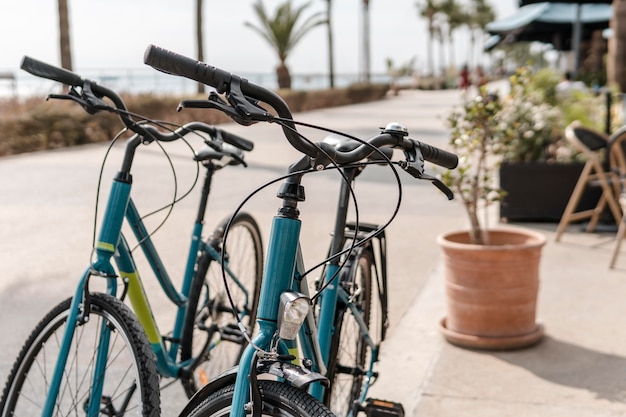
{"type": "Point", "coordinates": [321, 346]}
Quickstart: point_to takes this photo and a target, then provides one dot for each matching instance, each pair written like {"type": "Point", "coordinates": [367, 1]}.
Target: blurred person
{"type": "Point", "coordinates": [566, 86]}
{"type": "Point", "coordinates": [464, 78]}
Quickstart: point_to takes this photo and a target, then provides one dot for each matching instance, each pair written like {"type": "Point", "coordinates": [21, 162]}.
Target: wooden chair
{"type": "Point", "coordinates": [617, 152]}
{"type": "Point", "coordinates": [601, 169]}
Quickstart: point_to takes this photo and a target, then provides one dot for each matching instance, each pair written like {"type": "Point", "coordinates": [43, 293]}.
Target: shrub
{"type": "Point", "coordinates": [34, 124]}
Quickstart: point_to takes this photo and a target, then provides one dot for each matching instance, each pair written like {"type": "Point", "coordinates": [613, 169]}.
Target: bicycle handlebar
{"type": "Point", "coordinates": [214, 132]}
{"type": "Point", "coordinates": [176, 64]}
{"type": "Point", "coordinates": [231, 138]}
{"type": "Point", "coordinates": [436, 155]}
{"type": "Point", "coordinates": [93, 92]}
{"type": "Point", "coordinates": [41, 69]}
{"type": "Point", "coordinates": [240, 91]}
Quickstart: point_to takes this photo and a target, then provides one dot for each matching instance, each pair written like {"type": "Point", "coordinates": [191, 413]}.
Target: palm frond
{"type": "Point", "coordinates": [283, 31]}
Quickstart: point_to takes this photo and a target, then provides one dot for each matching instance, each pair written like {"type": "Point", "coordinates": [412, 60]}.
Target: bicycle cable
{"type": "Point", "coordinates": [355, 243]}
{"type": "Point", "coordinates": [372, 234]}
{"type": "Point", "coordinates": [176, 198]}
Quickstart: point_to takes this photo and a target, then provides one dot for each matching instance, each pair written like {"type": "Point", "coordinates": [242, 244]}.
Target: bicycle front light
{"type": "Point", "coordinates": [292, 311]}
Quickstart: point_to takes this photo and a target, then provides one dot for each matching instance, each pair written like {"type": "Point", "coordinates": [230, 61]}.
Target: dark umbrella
{"type": "Point", "coordinates": [577, 29]}
{"type": "Point", "coordinates": [562, 24]}
{"type": "Point", "coordinates": [525, 2]}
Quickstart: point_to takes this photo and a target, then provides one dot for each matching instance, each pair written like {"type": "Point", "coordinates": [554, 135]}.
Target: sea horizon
{"type": "Point", "coordinates": [21, 85]}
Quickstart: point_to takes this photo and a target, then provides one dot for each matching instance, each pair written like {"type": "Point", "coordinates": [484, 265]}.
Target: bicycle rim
{"type": "Point", "coordinates": [131, 380]}
{"type": "Point", "coordinates": [212, 334]}
{"type": "Point", "coordinates": [349, 351]}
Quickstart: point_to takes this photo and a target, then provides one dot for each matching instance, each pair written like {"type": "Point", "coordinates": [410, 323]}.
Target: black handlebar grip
{"type": "Point", "coordinates": [41, 69]}
{"type": "Point", "coordinates": [176, 64]}
{"type": "Point", "coordinates": [237, 141]}
{"type": "Point", "coordinates": [438, 156]}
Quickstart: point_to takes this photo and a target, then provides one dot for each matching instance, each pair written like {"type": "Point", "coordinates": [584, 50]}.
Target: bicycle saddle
{"type": "Point", "coordinates": [229, 155]}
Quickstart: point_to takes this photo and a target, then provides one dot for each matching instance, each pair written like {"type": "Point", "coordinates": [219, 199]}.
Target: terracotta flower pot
{"type": "Point", "coordinates": [492, 289]}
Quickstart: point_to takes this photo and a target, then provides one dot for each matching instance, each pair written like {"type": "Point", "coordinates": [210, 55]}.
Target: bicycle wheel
{"type": "Point", "coordinates": [349, 350]}
{"type": "Point", "coordinates": [131, 385]}
{"type": "Point", "coordinates": [279, 399]}
{"type": "Point", "coordinates": [210, 333]}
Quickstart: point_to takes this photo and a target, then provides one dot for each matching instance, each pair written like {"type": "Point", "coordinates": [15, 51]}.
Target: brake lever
{"type": "Point", "coordinates": [71, 97]}
{"type": "Point", "coordinates": [216, 143]}
{"type": "Point", "coordinates": [414, 165]}
{"type": "Point", "coordinates": [213, 104]}
{"type": "Point", "coordinates": [244, 106]}
{"type": "Point", "coordinates": [214, 101]}
{"type": "Point", "coordinates": [87, 98]}
{"type": "Point", "coordinates": [440, 185]}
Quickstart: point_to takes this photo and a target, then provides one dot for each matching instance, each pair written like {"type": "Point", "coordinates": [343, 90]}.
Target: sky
{"type": "Point", "coordinates": [114, 34]}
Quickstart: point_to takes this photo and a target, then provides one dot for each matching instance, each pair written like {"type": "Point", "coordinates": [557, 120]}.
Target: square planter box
{"type": "Point", "coordinates": [539, 191]}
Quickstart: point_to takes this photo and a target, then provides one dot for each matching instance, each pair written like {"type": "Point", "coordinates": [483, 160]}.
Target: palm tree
{"type": "Point", "coordinates": [64, 35]}
{"type": "Point", "coordinates": [199, 39]}
{"type": "Point", "coordinates": [331, 60]}
{"type": "Point", "coordinates": [616, 57]}
{"type": "Point", "coordinates": [481, 13]}
{"type": "Point", "coordinates": [366, 40]}
{"type": "Point", "coordinates": [456, 18]}
{"type": "Point", "coordinates": [440, 34]}
{"type": "Point", "coordinates": [428, 9]}
{"type": "Point", "coordinates": [283, 32]}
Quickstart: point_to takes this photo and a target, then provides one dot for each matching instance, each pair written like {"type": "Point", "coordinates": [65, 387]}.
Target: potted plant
{"type": "Point", "coordinates": [492, 275]}
{"type": "Point", "coordinates": [539, 168]}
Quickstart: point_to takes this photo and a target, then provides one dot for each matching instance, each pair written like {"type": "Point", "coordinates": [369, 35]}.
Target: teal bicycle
{"type": "Point", "coordinates": [320, 348]}
{"type": "Point", "coordinates": [91, 355]}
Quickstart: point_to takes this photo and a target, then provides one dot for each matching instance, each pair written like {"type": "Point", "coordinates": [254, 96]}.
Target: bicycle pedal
{"type": "Point", "coordinates": [232, 333]}
{"type": "Point", "coordinates": [381, 408]}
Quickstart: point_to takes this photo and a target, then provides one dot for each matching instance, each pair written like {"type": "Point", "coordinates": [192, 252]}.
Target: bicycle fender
{"type": "Point", "coordinates": [297, 376]}
{"type": "Point", "coordinates": [293, 374]}
{"type": "Point", "coordinates": [226, 378]}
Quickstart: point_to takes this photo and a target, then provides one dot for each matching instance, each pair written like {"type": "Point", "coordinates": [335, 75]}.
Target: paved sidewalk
{"type": "Point", "coordinates": [579, 369]}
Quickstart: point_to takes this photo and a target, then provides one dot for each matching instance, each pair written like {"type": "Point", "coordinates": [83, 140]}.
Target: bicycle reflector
{"type": "Point", "coordinates": [292, 311]}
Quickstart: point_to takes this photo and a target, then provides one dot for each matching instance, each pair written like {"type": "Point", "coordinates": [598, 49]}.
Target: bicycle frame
{"type": "Point", "coordinates": [284, 271]}
{"type": "Point", "coordinates": [112, 244]}
{"type": "Point", "coordinates": [335, 293]}
{"type": "Point", "coordinates": [341, 296]}
{"type": "Point", "coordinates": [280, 275]}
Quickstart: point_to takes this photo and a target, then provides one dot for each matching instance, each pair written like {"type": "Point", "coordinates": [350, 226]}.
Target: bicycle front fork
{"type": "Point", "coordinates": [78, 315]}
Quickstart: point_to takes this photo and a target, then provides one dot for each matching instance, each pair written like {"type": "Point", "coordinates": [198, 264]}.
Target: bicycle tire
{"type": "Point", "coordinates": [348, 350]}
{"type": "Point", "coordinates": [210, 334]}
{"type": "Point", "coordinates": [279, 400]}
{"type": "Point", "coordinates": [129, 356]}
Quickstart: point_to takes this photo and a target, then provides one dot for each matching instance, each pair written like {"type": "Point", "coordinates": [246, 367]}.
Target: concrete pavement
{"type": "Point", "coordinates": [579, 369]}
